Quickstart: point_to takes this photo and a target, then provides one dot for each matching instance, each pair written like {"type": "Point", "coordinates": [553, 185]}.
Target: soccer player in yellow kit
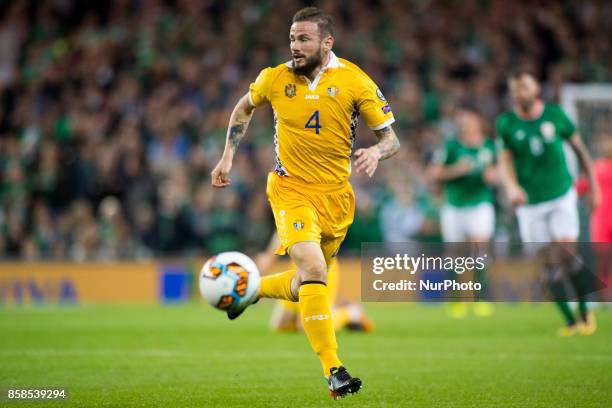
{"type": "Point", "coordinates": [316, 98]}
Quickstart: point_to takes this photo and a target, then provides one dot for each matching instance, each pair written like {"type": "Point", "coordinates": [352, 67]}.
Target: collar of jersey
{"type": "Point", "coordinates": [332, 63]}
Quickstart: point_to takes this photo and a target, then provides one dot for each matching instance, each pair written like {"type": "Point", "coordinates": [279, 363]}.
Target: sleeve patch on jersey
{"type": "Point", "coordinates": [386, 109]}
{"type": "Point", "coordinates": [380, 95]}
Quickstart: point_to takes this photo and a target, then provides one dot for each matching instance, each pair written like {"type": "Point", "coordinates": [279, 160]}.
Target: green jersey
{"type": "Point", "coordinates": [469, 189]}
{"type": "Point", "coordinates": [537, 149]}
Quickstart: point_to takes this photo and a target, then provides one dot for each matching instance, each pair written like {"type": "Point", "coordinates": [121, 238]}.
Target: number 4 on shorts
{"type": "Point", "coordinates": [316, 125]}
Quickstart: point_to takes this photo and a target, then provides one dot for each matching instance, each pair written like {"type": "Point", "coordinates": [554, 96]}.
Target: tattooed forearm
{"type": "Point", "coordinates": [388, 144]}
{"type": "Point", "coordinates": [239, 122]}
{"type": "Point", "coordinates": [235, 134]}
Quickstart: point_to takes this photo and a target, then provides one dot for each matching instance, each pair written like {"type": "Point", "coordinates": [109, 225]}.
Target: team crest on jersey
{"type": "Point", "coordinates": [333, 91]}
{"type": "Point", "coordinates": [298, 225]}
{"type": "Point", "coordinates": [547, 129]}
{"type": "Point", "coordinates": [380, 95]}
{"type": "Point", "coordinates": [290, 90]}
{"type": "Point", "coordinates": [519, 134]}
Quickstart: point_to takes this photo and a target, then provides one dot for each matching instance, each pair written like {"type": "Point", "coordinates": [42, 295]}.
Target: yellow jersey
{"type": "Point", "coordinates": [315, 122]}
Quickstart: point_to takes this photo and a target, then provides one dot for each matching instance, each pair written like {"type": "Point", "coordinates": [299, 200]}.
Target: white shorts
{"type": "Point", "coordinates": [550, 221]}
{"type": "Point", "coordinates": [460, 224]}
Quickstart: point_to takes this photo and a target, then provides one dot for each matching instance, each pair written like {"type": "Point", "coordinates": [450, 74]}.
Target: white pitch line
{"type": "Point", "coordinates": [243, 355]}
{"type": "Point", "coordinates": [428, 355]}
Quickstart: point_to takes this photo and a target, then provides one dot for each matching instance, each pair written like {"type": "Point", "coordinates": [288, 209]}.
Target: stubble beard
{"type": "Point", "coordinates": [311, 63]}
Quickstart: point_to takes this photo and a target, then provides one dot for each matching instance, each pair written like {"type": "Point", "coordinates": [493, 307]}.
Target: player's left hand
{"type": "Point", "coordinates": [367, 160]}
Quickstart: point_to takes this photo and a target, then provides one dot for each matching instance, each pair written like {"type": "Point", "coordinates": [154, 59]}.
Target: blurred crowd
{"type": "Point", "coordinates": [113, 113]}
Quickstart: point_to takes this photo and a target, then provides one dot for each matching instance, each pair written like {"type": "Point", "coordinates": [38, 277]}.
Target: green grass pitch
{"type": "Point", "coordinates": [192, 356]}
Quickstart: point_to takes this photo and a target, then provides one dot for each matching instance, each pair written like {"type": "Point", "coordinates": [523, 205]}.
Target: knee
{"type": "Point", "coordinates": [310, 262]}
{"type": "Point", "coordinates": [311, 269]}
{"type": "Point", "coordinates": [314, 271]}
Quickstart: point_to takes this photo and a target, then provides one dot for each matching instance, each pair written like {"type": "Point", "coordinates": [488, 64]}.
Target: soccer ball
{"type": "Point", "coordinates": [229, 280]}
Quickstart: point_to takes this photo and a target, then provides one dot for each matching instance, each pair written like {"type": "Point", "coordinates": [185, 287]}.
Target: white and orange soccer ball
{"type": "Point", "coordinates": [229, 281]}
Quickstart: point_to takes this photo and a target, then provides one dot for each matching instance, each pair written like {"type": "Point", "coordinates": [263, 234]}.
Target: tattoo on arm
{"type": "Point", "coordinates": [388, 144]}
{"type": "Point", "coordinates": [235, 134]}
{"type": "Point", "coordinates": [239, 122]}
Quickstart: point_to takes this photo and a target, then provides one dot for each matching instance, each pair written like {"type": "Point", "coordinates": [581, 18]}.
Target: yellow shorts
{"type": "Point", "coordinates": [333, 282]}
{"type": "Point", "coordinates": [320, 213]}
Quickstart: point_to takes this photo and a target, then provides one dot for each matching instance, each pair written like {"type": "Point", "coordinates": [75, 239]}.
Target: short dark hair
{"type": "Point", "coordinates": [519, 73]}
{"type": "Point", "coordinates": [324, 21]}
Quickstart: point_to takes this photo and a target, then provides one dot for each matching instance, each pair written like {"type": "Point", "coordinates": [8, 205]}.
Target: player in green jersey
{"type": "Point", "coordinates": [538, 182]}
{"type": "Point", "coordinates": [465, 165]}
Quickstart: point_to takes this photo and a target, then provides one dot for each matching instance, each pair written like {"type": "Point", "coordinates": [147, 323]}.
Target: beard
{"type": "Point", "coordinates": [310, 64]}
{"type": "Point", "coordinates": [526, 104]}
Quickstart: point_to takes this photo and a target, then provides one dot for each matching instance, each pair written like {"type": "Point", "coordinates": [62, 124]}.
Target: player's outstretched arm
{"type": "Point", "coordinates": [238, 124]}
{"type": "Point", "coordinates": [508, 178]}
{"type": "Point", "coordinates": [586, 163]}
{"type": "Point", "coordinates": [387, 146]}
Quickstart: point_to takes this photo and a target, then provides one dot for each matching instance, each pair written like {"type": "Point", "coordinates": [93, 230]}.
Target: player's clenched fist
{"type": "Point", "coordinates": [220, 174]}
{"type": "Point", "coordinates": [367, 160]}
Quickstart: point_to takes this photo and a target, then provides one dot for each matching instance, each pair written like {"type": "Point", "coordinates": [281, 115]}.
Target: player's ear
{"type": "Point", "coordinates": [328, 43]}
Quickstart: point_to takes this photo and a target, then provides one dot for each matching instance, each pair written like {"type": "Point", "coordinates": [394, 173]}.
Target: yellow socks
{"type": "Point", "coordinates": [315, 311]}
{"type": "Point", "coordinates": [277, 286]}
{"type": "Point", "coordinates": [318, 325]}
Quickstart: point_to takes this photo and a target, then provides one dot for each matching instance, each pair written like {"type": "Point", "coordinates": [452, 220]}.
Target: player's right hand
{"type": "Point", "coordinates": [517, 196]}
{"type": "Point", "coordinates": [220, 174]}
